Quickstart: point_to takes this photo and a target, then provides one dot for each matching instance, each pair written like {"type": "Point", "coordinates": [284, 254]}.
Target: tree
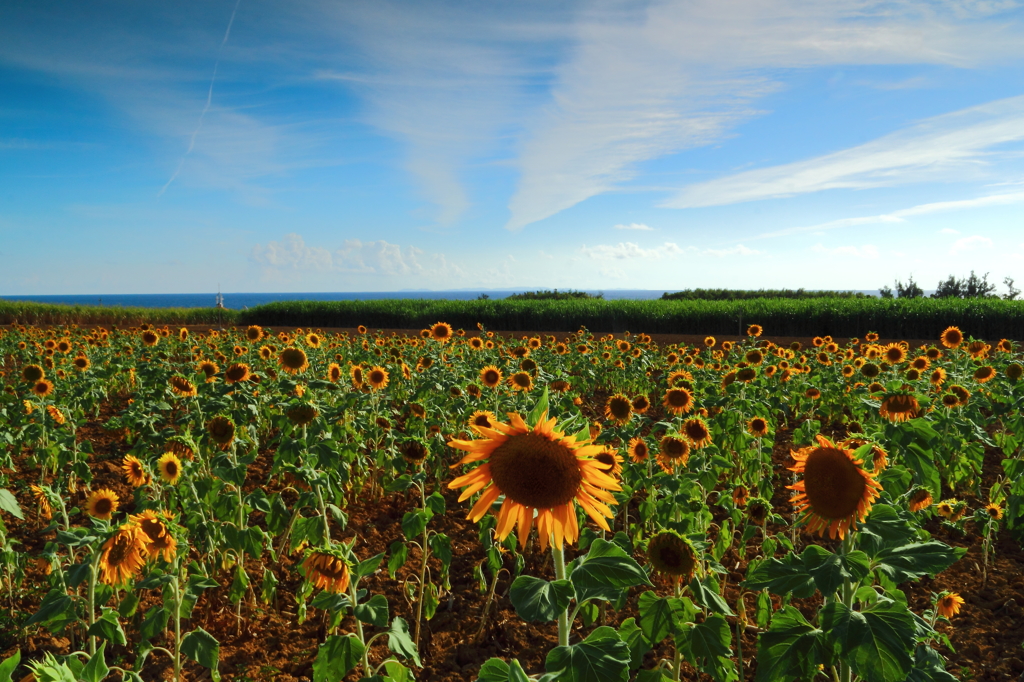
{"type": "Point", "coordinates": [908, 290]}
{"type": "Point", "coordinates": [1011, 291]}
{"type": "Point", "coordinates": [968, 287]}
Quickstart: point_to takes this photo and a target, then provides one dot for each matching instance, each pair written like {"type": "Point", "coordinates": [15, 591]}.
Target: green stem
{"type": "Point", "coordinates": [92, 598]}
{"type": "Point", "coordinates": [353, 596]}
{"type": "Point", "coordinates": [845, 672]}
{"type": "Point", "coordinates": [558, 555]}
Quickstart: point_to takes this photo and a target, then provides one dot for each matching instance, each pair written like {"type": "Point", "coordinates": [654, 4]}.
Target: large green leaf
{"type": "Point", "coordinates": [108, 627]}
{"type": "Point", "coordinates": [9, 504]}
{"type": "Point", "coordinates": [791, 649]}
{"type": "Point", "coordinates": [204, 649]}
{"type": "Point", "coordinates": [885, 527]}
{"type": "Point", "coordinates": [708, 646]}
{"type": "Point", "coordinates": [631, 634]}
{"type": "Point", "coordinates": [607, 565]}
{"type": "Point", "coordinates": [9, 665]}
{"type": "Point", "coordinates": [830, 570]}
{"type": "Point", "coordinates": [662, 616]}
{"type": "Point", "coordinates": [56, 606]}
{"type": "Point", "coordinates": [783, 576]}
{"type": "Point", "coordinates": [876, 642]}
{"type": "Point", "coordinates": [401, 642]}
{"type": "Point", "coordinates": [539, 600]}
{"type": "Point", "coordinates": [928, 666]}
{"type": "Point", "coordinates": [601, 657]}
{"type": "Point", "coordinates": [96, 669]}
{"type": "Point", "coordinates": [336, 657]}
{"type": "Point", "coordinates": [917, 559]}
{"type": "Point", "coordinates": [497, 670]}
{"type": "Point", "coordinates": [707, 596]}
{"type": "Point", "coordinates": [374, 611]}
{"type": "Point", "coordinates": [154, 622]}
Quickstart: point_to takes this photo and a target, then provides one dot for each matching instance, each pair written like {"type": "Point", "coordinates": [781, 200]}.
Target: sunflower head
{"type": "Point", "coordinates": [678, 401]}
{"type": "Point", "coordinates": [949, 603]}
{"type": "Point", "coordinates": [169, 467]}
{"type": "Point", "coordinates": [697, 431]}
{"type": "Point", "coordinates": [43, 388]}
{"type": "Point", "coordinates": [673, 451]}
{"type": "Point", "coordinates": [81, 363]}
{"type": "Point", "coordinates": [740, 495]}
{"type": "Point", "coordinates": [210, 369]}
{"type": "Point", "coordinates": [994, 510]}
{"type": "Point", "coordinates": [483, 419]}
{"type": "Point", "coordinates": [414, 451]}
{"type": "Point", "coordinates": [984, 374]}
{"type": "Point", "coordinates": [377, 378]}
{"type": "Point", "coordinates": [293, 360]}
{"type": "Point", "coordinates": [102, 503]}
{"type": "Point", "coordinates": [672, 554]}
{"type": "Point", "coordinates": [521, 381]}
{"type": "Point", "coordinates": [835, 491]}
{"type": "Point", "coordinates": [221, 430]}
{"type": "Point", "coordinates": [618, 409]}
{"type": "Point", "coordinates": [182, 386]}
{"type": "Point", "coordinates": [237, 373]}
{"type": "Point", "coordinates": [920, 498]}
{"type": "Point", "coordinates": [899, 407]}
{"type": "Point", "coordinates": [156, 534]}
{"type": "Point", "coordinates": [638, 450]}
{"type": "Point", "coordinates": [490, 376]}
{"type": "Point", "coordinates": [441, 331]}
{"type": "Point", "coordinates": [952, 337]}
{"type": "Point", "coordinates": [326, 569]}
{"type": "Point", "coordinates": [134, 471]}
{"type": "Point", "coordinates": [122, 555]}
{"type": "Point", "coordinates": [32, 373]}
{"type": "Point", "coordinates": [1014, 371]}
{"type": "Point", "coordinates": [150, 338]}
{"type": "Point", "coordinates": [758, 427]}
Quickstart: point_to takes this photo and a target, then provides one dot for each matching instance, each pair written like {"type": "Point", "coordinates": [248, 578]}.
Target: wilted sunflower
{"type": "Point", "coordinates": [521, 381]}
{"type": "Point", "coordinates": [952, 337]}
{"type": "Point", "coordinates": [920, 499]}
{"type": "Point", "coordinates": [417, 410]}
{"type": "Point", "coordinates": [672, 554]}
{"type": "Point", "coordinates": [210, 369]}
{"type": "Point", "coordinates": [414, 451]}
{"type": "Point", "coordinates": [301, 414]}
{"type": "Point", "coordinates": [948, 604]}
{"type": "Point", "coordinates": [101, 504]}
{"type": "Point", "coordinates": [638, 450]}
{"type": "Point", "coordinates": [122, 555]}
{"type": "Point", "coordinates": [984, 374]}
{"type": "Point", "coordinates": [1014, 371]}
{"type": "Point", "coordinates": [538, 469]}
{"type": "Point", "coordinates": [758, 427]}
{"type": "Point", "coordinates": [43, 388]}
{"type": "Point", "coordinates": [678, 401]}
{"type": "Point", "coordinates": [490, 376]}
{"type": "Point", "coordinates": [45, 509]}
{"type": "Point", "coordinates": [441, 331]}
{"type": "Point", "coordinates": [377, 377]}
{"type": "Point", "coordinates": [183, 387]}
{"type": "Point", "coordinates": [698, 432]}
{"type": "Point", "coordinates": [221, 430]}
{"type": "Point", "coordinates": [56, 415]}
{"type": "Point", "coordinates": [618, 409]}
{"type": "Point", "coordinates": [962, 394]}
{"type": "Point", "coordinates": [155, 535]}
{"type": "Point", "coordinates": [758, 509]}
{"type": "Point", "coordinates": [134, 471]}
{"type": "Point", "coordinates": [673, 452]}
{"type": "Point", "coordinates": [899, 407]}
{"type": "Point", "coordinates": [483, 418]}
{"type": "Point", "coordinates": [835, 491]}
{"type": "Point", "coordinates": [293, 360]}
{"type": "Point", "coordinates": [326, 570]}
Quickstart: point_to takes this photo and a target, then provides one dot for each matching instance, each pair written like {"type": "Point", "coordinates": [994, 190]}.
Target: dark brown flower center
{"type": "Point", "coordinates": [833, 483]}
{"type": "Point", "coordinates": [536, 472]}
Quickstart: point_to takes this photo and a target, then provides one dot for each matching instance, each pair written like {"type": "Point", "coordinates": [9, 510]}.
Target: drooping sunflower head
{"type": "Point", "coordinates": [122, 555]}
{"type": "Point", "coordinates": [237, 373]}
{"type": "Point", "coordinates": [483, 419]}
{"type": "Point", "coordinates": [210, 369]}
{"type": "Point", "coordinates": [150, 337]}
{"type": "Point", "coordinates": [134, 471]}
{"type": "Point", "coordinates": [696, 429]}
{"type": "Point", "coordinates": [182, 386]}
{"type": "Point", "coordinates": [978, 349]}
{"type": "Point", "coordinates": [302, 414]}
{"type": "Point", "coordinates": [920, 498]}
{"type": "Point", "coordinates": [962, 394]}
{"type": "Point", "coordinates": [221, 430]}
{"type": "Point", "coordinates": [673, 451]}
{"type": "Point", "coordinates": [521, 381]}
{"type": "Point", "coordinates": [618, 409]}
{"type": "Point", "coordinates": [672, 554]}
{"type": "Point", "coordinates": [293, 360]}
{"type": "Point", "coordinates": [984, 374]}
{"type": "Point", "coordinates": [414, 451]}
{"type": "Point", "coordinates": [835, 491]}
{"type": "Point", "coordinates": [156, 534]}
{"type": "Point", "coordinates": [638, 450]}
{"type": "Point", "coordinates": [899, 407]}
{"type": "Point", "coordinates": [326, 569]}
{"type": "Point", "coordinates": [952, 337]}
{"type": "Point", "coordinates": [102, 503]}
{"type": "Point", "coordinates": [758, 510]}
{"type": "Point", "coordinates": [356, 373]}
{"type": "Point", "coordinates": [1014, 371]}
{"type": "Point", "coordinates": [540, 469]}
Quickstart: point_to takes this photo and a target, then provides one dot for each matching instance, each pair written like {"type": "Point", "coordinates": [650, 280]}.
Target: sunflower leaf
{"type": "Point", "coordinates": [601, 657]}
{"type": "Point", "coordinates": [917, 559]}
{"type": "Point", "coordinates": [831, 570]}
{"type": "Point", "coordinates": [536, 599]}
{"type": "Point", "coordinates": [876, 642]}
{"type": "Point", "coordinates": [791, 649]}
{"type": "Point", "coordinates": [204, 649]}
{"type": "Point", "coordinates": [96, 669]}
{"type": "Point", "coordinates": [662, 616]}
{"type": "Point", "coordinates": [401, 643]}
{"type": "Point", "coordinates": [607, 565]}
{"type": "Point", "coordinates": [9, 504]}
{"type": "Point", "coordinates": [374, 611]}
{"type": "Point", "coordinates": [336, 657]}
{"type": "Point", "coordinates": [781, 577]}
{"type": "Point", "coordinates": [631, 634]}
{"type": "Point", "coordinates": [708, 646]}
{"type": "Point", "coordinates": [497, 670]}
{"type": "Point", "coordinates": [539, 410]}
{"type": "Point", "coordinates": [9, 665]}
{"type": "Point", "coordinates": [707, 595]}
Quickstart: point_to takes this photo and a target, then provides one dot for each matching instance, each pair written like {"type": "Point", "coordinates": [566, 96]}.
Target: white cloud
{"type": "Point", "coordinates": [634, 226]}
{"type": "Point", "coordinates": [291, 253]}
{"type": "Point", "coordinates": [948, 147]}
{"type": "Point", "coordinates": [971, 243]}
{"type": "Point", "coordinates": [948, 230]}
{"type": "Point", "coordinates": [866, 251]}
{"type": "Point", "coordinates": [738, 250]}
{"type": "Point", "coordinates": [629, 250]}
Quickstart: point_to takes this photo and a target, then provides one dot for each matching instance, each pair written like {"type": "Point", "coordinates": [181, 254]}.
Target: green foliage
{"type": "Point", "coordinates": [747, 294]}
{"type": "Point", "coordinates": [556, 295]}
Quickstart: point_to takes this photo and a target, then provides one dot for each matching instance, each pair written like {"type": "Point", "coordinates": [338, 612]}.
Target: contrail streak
{"type": "Point", "coordinates": [209, 100]}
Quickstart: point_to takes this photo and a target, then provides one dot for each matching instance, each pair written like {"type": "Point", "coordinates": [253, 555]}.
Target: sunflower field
{"type": "Point", "coordinates": [290, 504]}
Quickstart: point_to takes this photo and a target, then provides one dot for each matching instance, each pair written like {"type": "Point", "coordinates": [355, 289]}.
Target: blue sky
{"type": "Point", "coordinates": [378, 146]}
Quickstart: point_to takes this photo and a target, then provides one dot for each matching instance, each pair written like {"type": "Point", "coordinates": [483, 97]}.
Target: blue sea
{"type": "Point", "coordinates": [239, 301]}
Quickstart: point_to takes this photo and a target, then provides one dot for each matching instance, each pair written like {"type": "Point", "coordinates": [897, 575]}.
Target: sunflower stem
{"type": "Point", "coordinates": [845, 672]}
{"type": "Point", "coordinates": [558, 556]}
{"type": "Point", "coordinates": [92, 597]}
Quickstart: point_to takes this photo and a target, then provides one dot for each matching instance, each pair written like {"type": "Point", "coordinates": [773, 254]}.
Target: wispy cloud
{"type": "Point", "coordinates": [946, 147]}
{"type": "Point", "coordinates": [634, 226]}
{"type": "Point", "coordinates": [971, 243]}
{"type": "Point", "coordinates": [629, 250]}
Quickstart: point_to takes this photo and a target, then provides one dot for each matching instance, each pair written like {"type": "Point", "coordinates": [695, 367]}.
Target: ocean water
{"type": "Point", "coordinates": [248, 300]}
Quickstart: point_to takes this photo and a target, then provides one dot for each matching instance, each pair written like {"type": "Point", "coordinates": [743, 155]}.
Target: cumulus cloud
{"type": "Point", "coordinates": [629, 251]}
{"type": "Point", "coordinates": [634, 226]}
{"type": "Point", "coordinates": [972, 243]}
{"type": "Point", "coordinates": [867, 251]}
{"type": "Point", "coordinates": [372, 258]}
{"type": "Point", "coordinates": [291, 253]}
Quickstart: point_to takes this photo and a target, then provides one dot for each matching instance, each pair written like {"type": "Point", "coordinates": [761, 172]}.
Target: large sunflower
{"type": "Point", "coordinates": [377, 377]}
{"type": "Point", "coordinates": [32, 373]}
{"type": "Point", "coordinates": [538, 469]}
{"type": "Point", "coordinates": [678, 401]}
{"type": "Point", "coordinates": [490, 376]}
{"type": "Point", "coordinates": [441, 331]}
{"type": "Point", "coordinates": [122, 555]}
{"type": "Point", "coordinates": [618, 409]}
{"type": "Point", "coordinates": [155, 535]}
{"type": "Point", "coordinates": [835, 491]}
{"type": "Point", "coordinates": [293, 360]}
{"type": "Point", "coordinates": [134, 471]}
{"type": "Point", "coordinates": [102, 504]}
{"type": "Point", "coordinates": [952, 337]}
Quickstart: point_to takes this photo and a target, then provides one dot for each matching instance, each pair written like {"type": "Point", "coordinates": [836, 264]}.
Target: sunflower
{"type": "Point", "coordinates": [56, 415]}
{"type": "Point", "coordinates": [937, 377]}
{"type": "Point", "coordinates": [962, 394]}
{"type": "Point", "coordinates": [476, 343]}
{"type": "Point", "coordinates": [899, 407]}
{"type": "Point", "coordinates": [490, 376]}
{"type": "Point", "coordinates": [952, 337]}
{"type": "Point", "coordinates": [81, 363]}
{"type": "Point", "coordinates": [414, 451]}
{"type": "Point", "coordinates": [254, 333]}
{"type": "Point", "coordinates": [441, 331]}
{"type": "Point", "coordinates": [757, 427]}
{"type": "Point", "coordinates": [835, 491]}
{"type": "Point", "coordinates": [698, 432]}
{"type": "Point", "coordinates": [538, 469]}
{"type": "Point", "coordinates": [740, 495]}
{"type": "Point", "coordinates": [754, 330]}
{"type": "Point", "coordinates": [709, 342]}
{"type": "Point", "coordinates": [994, 510]}
{"type": "Point", "coordinates": [313, 340]}
{"type": "Point", "coordinates": [640, 404]}
{"type": "Point", "coordinates": [326, 570]}
{"type": "Point", "coordinates": [169, 467]}
{"type": "Point", "coordinates": [237, 373]}
{"type": "Point", "coordinates": [758, 509]}
{"type": "Point", "coordinates": [984, 374]}
{"type": "Point", "coordinates": [333, 373]}
{"type": "Point", "coordinates": [950, 400]}
{"type": "Point", "coordinates": [43, 388]}
{"type": "Point", "coordinates": [672, 554]}
{"type": "Point", "coordinates": [945, 508]}
{"type": "Point", "coordinates": [155, 535]}
{"type": "Point", "coordinates": [521, 381]}
{"type": "Point", "coordinates": [417, 410]}
{"type": "Point", "coordinates": [678, 401]}
{"type": "Point", "coordinates": [221, 430]}
{"type": "Point", "coordinates": [920, 499]}
{"type": "Point", "coordinates": [134, 471]}
{"type": "Point", "coordinates": [673, 452]}
{"type": "Point", "coordinates": [638, 450]}
{"type": "Point", "coordinates": [122, 555]}
{"type": "Point", "coordinates": [150, 338]}
{"type": "Point", "coordinates": [102, 504]}
{"type": "Point", "coordinates": [1014, 371]}
{"type": "Point", "coordinates": [183, 387]}
{"type": "Point", "coordinates": [949, 603]}
{"type": "Point", "coordinates": [611, 460]}
{"type": "Point", "coordinates": [812, 393]}
{"type": "Point", "coordinates": [978, 349]}
{"type": "Point", "coordinates": [483, 418]}
{"type": "Point", "coordinates": [301, 414]}
{"type": "Point", "coordinates": [293, 360]}
{"type": "Point", "coordinates": [377, 377]}
{"type": "Point", "coordinates": [356, 372]}
{"type": "Point", "coordinates": [45, 510]}
{"type": "Point", "coordinates": [618, 409]}
{"type": "Point", "coordinates": [894, 354]}
{"type": "Point", "coordinates": [210, 369]}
